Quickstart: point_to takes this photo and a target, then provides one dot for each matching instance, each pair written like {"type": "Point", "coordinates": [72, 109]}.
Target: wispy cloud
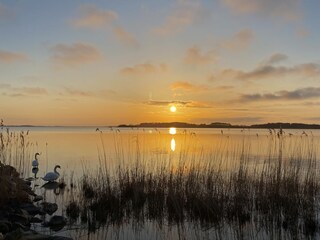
{"type": "Point", "coordinates": [289, 10]}
{"type": "Point", "coordinates": [298, 94]}
{"type": "Point", "coordinates": [145, 68]}
{"type": "Point", "coordinates": [194, 56]}
{"type": "Point", "coordinates": [125, 37]}
{"type": "Point", "coordinates": [75, 54]}
{"type": "Point", "coordinates": [188, 104]}
{"type": "Point", "coordinates": [189, 87]}
{"type": "Point", "coordinates": [12, 57]}
{"type": "Point", "coordinates": [239, 41]}
{"type": "Point", "coordinates": [274, 59]}
{"type": "Point", "coordinates": [9, 90]}
{"type": "Point", "coordinates": [185, 14]}
{"type": "Point", "coordinates": [73, 92]}
{"type": "Point", "coordinates": [89, 16]}
{"type": "Point", "coordinates": [268, 69]}
{"type": "Point", "coordinates": [78, 93]}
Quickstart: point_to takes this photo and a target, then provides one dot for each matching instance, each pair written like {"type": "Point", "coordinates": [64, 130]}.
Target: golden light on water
{"type": "Point", "coordinates": [173, 108]}
{"type": "Point", "coordinates": [172, 131]}
{"type": "Point", "coordinates": [173, 144]}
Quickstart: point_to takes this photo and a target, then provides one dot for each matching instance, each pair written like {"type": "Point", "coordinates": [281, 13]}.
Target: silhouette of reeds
{"type": "Point", "coordinates": [279, 195]}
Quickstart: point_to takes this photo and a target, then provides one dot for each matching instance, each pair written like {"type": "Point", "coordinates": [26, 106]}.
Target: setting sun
{"type": "Point", "coordinates": [173, 109]}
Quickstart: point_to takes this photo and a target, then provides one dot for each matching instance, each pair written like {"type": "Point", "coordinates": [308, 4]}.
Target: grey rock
{"type": "Point", "coordinates": [37, 198]}
{"type": "Point", "coordinates": [56, 223]}
{"type": "Point", "coordinates": [30, 208]}
{"type": "Point", "coordinates": [49, 208]}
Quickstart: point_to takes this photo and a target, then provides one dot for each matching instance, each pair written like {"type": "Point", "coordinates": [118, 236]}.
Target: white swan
{"type": "Point", "coordinates": [35, 162]}
{"type": "Point", "coordinates": [52, 176]}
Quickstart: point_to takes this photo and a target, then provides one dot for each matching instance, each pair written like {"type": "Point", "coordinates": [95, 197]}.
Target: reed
{"type": "Point", "coordinates": [278, 194]}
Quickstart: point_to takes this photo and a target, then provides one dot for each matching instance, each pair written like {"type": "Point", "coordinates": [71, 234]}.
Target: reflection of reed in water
{"type": "Point", "coordinates": [276, 194]}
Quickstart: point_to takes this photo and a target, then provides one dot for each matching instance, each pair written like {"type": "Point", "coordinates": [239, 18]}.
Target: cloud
{"type": "Point", "coordinates": [145, 68]}
{"type": "Point", "coordinates": [11, 91]}
{"type": "Point", "coordinates": [185, 14]}
{"type": "Point", "coordinates": [298, 94]}
{"type": "Point", "coordinates": [195, 57]}
{"type": "Point", "coordinates": [189, 104]}
{"type": "Point", "coordinates": [125, 37]}
{"type": "Point", "coordinates": [288, 10]}
{"type": "Point", "coordinates": [75, 54]}
{"type": "Point", "coordinates": [89, 16]}
{"type": "Point", "coordinates": [78, 93]}
{"type": "Point", "coordinates": [269, 71]}
{"type": "Point", "coordinates": [239, 41]}
{"type": "Point", "coordinates": [11, 57]}
{"type": "Point", "coordinates": [186, 86]}
{"type": "Point", "coordinates": [306, 70]}
{"type": "Point", "coordinates": [274, 59]}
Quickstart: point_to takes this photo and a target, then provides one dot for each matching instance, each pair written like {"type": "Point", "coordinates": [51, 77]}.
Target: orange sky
{"type": "Point", "coordinates": [110, 63]}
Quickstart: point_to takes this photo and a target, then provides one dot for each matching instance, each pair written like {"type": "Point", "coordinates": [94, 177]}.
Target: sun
{"type": "Point", "coordinates": [173, 108]}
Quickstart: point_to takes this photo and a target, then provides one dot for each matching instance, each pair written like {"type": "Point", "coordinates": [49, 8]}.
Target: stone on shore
{"type": "Point", "coordinates": [49, 208]}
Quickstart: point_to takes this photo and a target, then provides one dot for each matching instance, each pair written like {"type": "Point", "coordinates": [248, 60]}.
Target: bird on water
{"type": "Point", "coordinates": [35, 162]}
{"type": "Point", "coordinates": [52, 176]}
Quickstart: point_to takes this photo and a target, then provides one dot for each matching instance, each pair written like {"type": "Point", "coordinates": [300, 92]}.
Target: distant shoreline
{"type": "Point", "coordinates": [278, 125]}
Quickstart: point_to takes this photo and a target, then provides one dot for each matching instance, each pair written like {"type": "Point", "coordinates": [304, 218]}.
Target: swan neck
{"type": "Point", "coordinates": [55, 170]}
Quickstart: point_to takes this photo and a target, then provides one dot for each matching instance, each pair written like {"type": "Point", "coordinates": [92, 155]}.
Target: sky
{"type": "Point", "coordinates": [110, 62]}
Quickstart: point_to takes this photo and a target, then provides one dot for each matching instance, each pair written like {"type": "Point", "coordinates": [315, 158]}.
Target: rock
{"type": "Point", "coordinates": [35, 220]}
{"type": "Point", "coordinates": [49, 208]}
{"type": "Point", "coordinates": [19, 217]}
{"type": "Point", "coordinates": [5, 226]}
{"type": "Point", "coordinates": [57, 221]}
{"type": "Point", "coordinates": [17, 225]}
{"type": "Point", "coordinates": [37, 198]}
{"type": "Point", "coordinates": [16, 234]}
{"type": "Point", "coordinates": [29, 179]}
{"type": "Point", "coordinates": [27, 183]}
{"type": "Point", "coordinates": [31, 209]}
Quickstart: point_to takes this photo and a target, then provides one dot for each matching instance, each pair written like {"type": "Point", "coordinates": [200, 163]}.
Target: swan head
{"type": "Point", "coordinates": [57, 166]}
{"type": "Point", "coordinates": [36, 156]}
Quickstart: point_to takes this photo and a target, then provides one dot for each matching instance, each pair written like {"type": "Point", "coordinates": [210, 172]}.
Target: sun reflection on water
{"type": "Point", "coordinates": [173, 145]}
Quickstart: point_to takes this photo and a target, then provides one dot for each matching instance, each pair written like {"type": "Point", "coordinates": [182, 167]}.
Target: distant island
{"type": "Point", "coordinates": [224, 125]}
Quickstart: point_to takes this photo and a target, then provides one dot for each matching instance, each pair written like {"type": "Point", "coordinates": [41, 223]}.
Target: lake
{"type": "Point", "coordinates": [86, 150]}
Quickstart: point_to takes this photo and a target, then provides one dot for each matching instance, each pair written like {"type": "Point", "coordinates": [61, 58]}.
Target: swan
{"type": "Point", "coordinates": [52, 176]}
{"type": "Point", "coordinates": [35, 162]}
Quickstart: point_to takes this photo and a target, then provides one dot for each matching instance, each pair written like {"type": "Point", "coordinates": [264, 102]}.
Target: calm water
{"type": "Point", "coordinates": [79, 150]}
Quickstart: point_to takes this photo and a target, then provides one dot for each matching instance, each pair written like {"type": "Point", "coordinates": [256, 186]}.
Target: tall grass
{"type": "Point", "coordinates": [15, 149]}
{"type": "Point", "coordinates": [273, 197]}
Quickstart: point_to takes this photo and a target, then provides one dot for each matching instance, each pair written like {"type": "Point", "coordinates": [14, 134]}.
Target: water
{"type": "Point", "coordinates": [77, 149]}
{"type": "Point", "coordinates": [80, 150]}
